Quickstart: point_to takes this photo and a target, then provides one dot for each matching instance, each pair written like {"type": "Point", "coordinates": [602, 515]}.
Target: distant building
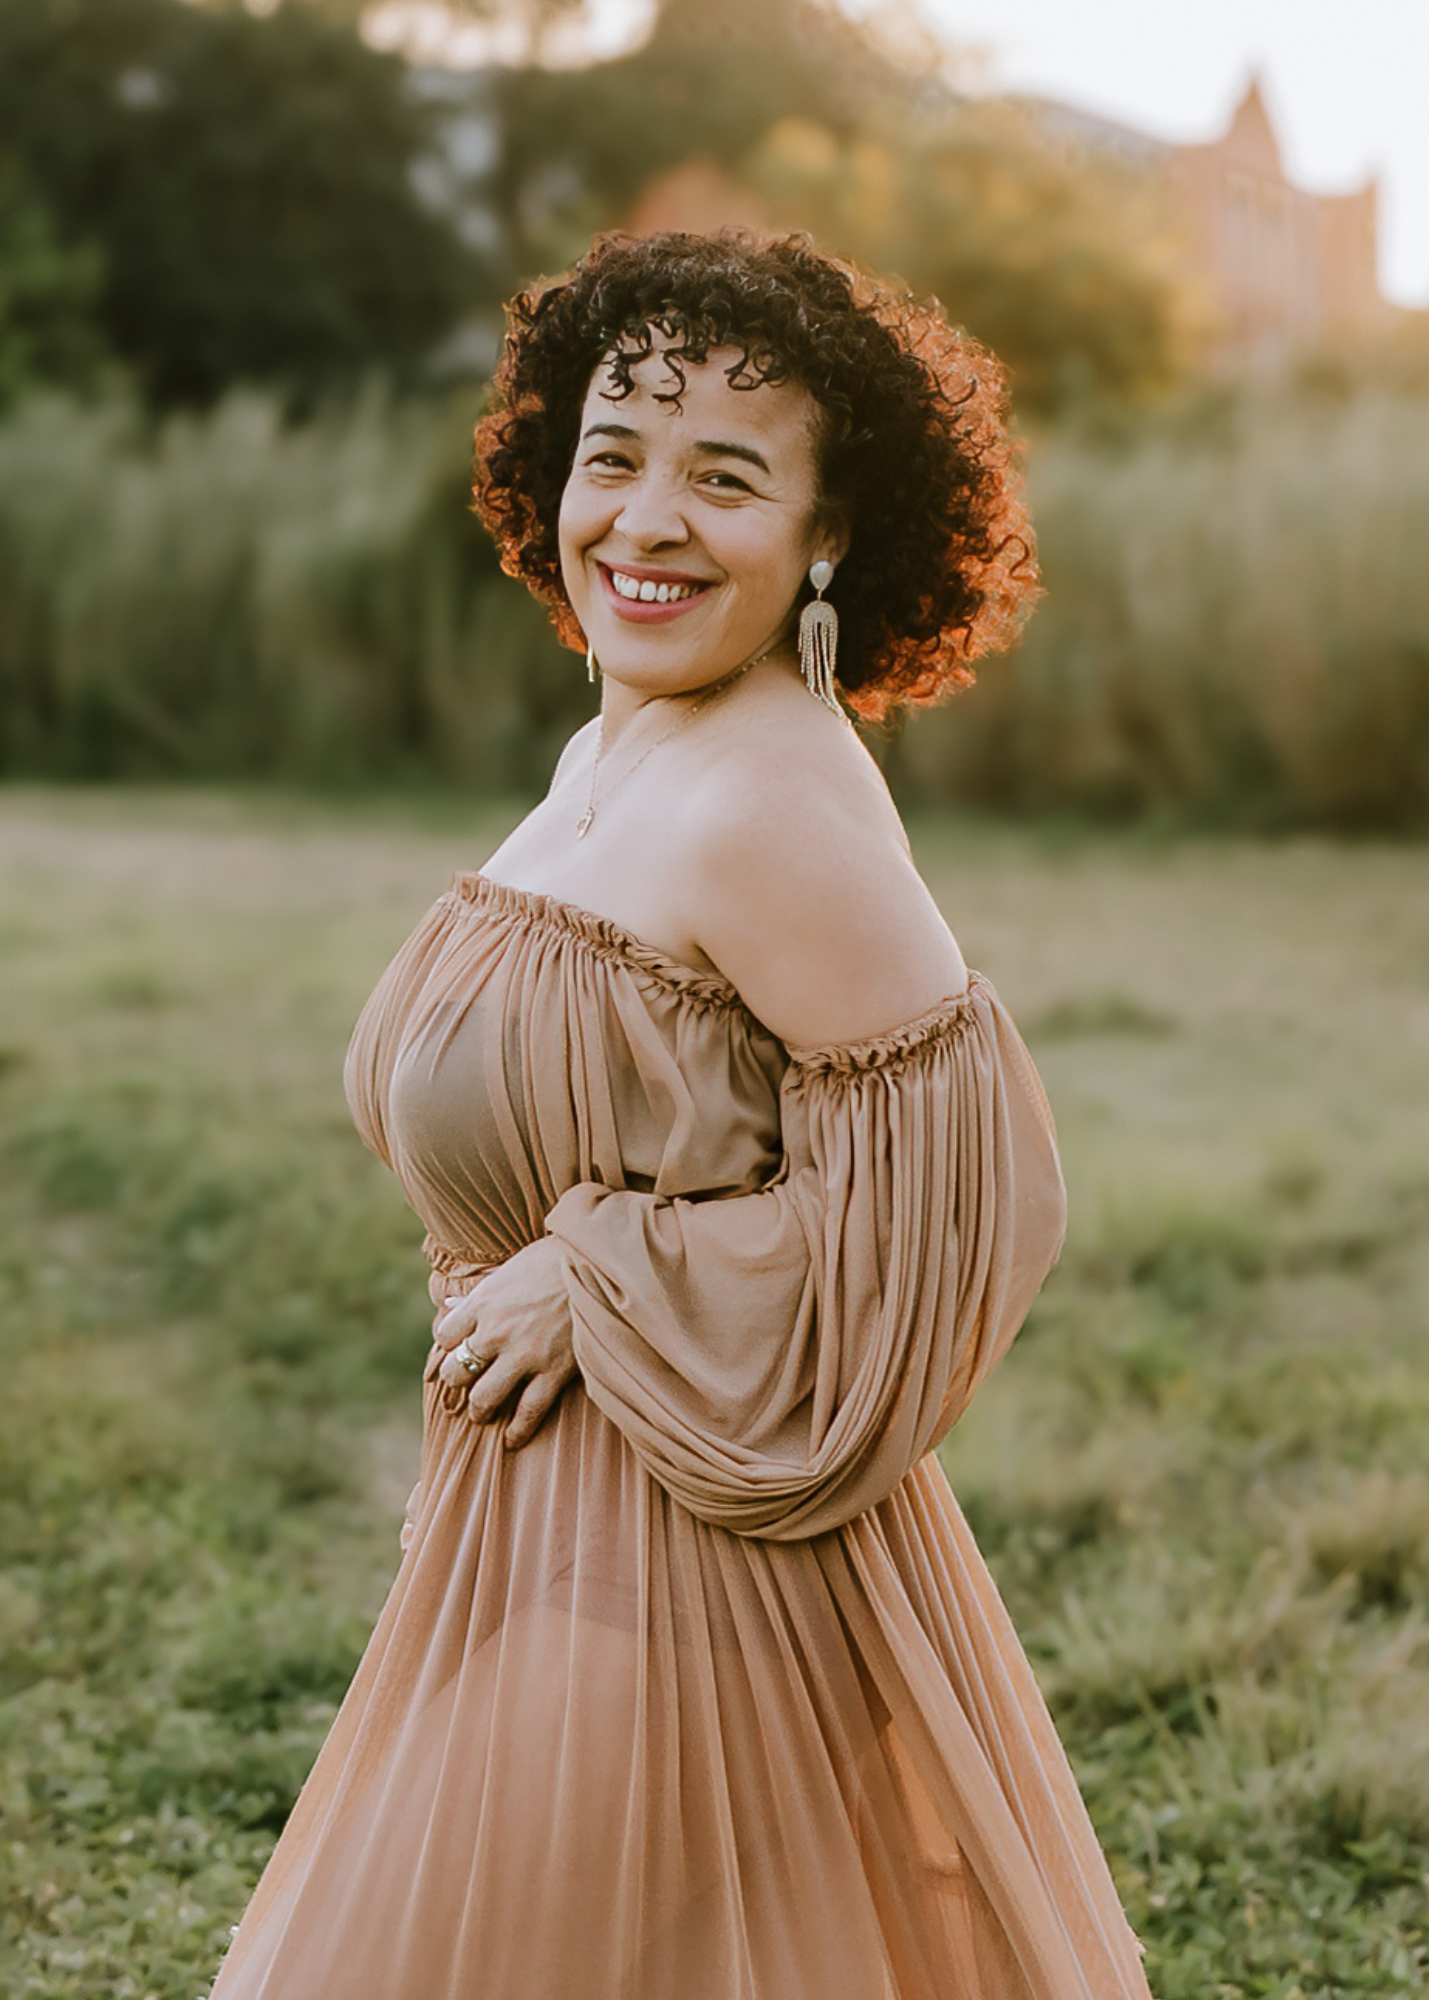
{"type": "Point", "coordinates": [1291, 269]}
{"type": "Point", "coordinates": [1286, 269]}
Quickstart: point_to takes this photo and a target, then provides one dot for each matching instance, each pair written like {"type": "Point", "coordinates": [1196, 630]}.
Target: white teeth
{"type": "Point", "coordinates": [648, 592]}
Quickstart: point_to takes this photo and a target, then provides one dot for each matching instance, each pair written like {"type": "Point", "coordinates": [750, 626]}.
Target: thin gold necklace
{"type": "Point", "coordinates": [583, 824]}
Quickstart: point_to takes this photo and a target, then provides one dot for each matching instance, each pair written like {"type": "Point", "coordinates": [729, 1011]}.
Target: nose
{"type": "Point", "coordinates": [650, 515]}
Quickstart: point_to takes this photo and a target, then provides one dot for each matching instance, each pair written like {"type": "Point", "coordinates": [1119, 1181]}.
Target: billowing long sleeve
{"type": "Point", "coordinates": [780, 1360]}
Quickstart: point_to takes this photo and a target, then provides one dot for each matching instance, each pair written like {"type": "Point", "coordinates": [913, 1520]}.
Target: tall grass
{"type": "Point", "coordinates": [229, 594]}
{"type": "Point", "coordinates": [1236, 627]}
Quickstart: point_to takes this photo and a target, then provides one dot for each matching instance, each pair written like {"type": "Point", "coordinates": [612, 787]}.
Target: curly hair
{"type": "Point", "coordinates": [914, 449]}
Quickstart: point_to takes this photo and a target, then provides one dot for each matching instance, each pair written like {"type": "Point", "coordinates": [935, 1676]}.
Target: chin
{"type": "Point", "coordinates": [657, 654]}
{"type": "Point", "coordinates": [653, 672]}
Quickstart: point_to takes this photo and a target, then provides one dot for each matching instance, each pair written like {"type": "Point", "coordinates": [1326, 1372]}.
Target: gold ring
{"type": "Point", "coordinates": [473, 1363]}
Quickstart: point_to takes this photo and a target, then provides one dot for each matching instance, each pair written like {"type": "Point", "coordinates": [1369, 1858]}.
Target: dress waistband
{"type": "Point", "coordinates": [453, 1270]}
{"type": "Point", "coordinates": [457, 1263]}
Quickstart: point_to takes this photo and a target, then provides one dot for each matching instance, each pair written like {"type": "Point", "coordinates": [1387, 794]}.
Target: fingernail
{"type": "Point", "coordinates": [454, 1300]}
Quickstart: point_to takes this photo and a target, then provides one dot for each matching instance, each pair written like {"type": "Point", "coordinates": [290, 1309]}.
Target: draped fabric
{"type": "Point", "coordinates": [705, 1693]}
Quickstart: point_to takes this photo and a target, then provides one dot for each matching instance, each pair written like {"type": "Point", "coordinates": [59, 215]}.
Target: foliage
{"type": "Point", "coordinates": [1067, 268]}
{"type": "Point", "coordinates": [230, 594]}
{"type": "Point", "coordinates": [48, 290]}
{"type": "Point", "coordinates": [578, 147]}
{"type": "Point", "coordinates": [247, 181]}
{"type": "Point", "coordinates": [1199, 1476]}
{"type": "Point", "coordinates": [1236, 626]}
{"type": "Point", "coordinates": [1391, 358]}
{"type": "Point", "coordinates": [1234, 630]}
{"type": "Point", "coordinates": [238, 193]}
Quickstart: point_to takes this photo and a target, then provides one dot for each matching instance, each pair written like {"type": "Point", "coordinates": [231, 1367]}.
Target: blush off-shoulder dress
{"type": "Point", "coordinates": [705, 1693]}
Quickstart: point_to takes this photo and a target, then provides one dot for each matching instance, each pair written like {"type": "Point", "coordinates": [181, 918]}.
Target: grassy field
{"type": "Point", "coordinates": [1202, 1477]}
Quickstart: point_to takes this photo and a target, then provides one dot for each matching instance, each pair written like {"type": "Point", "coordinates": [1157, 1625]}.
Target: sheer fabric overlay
{"type": "Point", "coordinates": [705, 1693]}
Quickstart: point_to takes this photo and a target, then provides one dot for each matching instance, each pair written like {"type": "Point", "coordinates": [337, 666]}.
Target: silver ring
{"type": "Point", "coordinates": [473, 1363]}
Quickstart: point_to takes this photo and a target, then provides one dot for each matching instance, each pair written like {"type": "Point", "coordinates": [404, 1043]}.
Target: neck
{"type": "Point", "coordinates": [621, 703]}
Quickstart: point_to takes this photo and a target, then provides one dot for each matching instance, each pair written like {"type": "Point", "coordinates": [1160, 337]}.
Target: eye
{"type": "Point", "coordinates": [729, 482]}
{"type": "Point", "coordinates": [606, 459]}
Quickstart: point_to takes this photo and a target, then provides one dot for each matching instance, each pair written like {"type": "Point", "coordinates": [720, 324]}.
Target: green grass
{"type": "Point", "coordinates": [1202, 1476]}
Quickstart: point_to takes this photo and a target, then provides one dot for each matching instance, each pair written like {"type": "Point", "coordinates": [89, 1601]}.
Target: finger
{"type": "Point", "coordinates": [491, 1389]}
{"type": "Point", "coordinates": [457, 1320]}
{"type": "Point", "coordinates": [455, 1372]}
{"type": "Point", "coordinates": [450, 1322]}
{"type": "Point", "coordinates": [537, 1400]}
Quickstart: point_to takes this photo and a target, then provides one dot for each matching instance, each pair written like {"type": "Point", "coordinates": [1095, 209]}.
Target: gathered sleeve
{"type": "Point", "coordinates": [780, 1360]}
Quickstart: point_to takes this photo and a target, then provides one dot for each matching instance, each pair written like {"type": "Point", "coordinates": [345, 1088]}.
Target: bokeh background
{"type": "Point", "coordinates": [262, 688]}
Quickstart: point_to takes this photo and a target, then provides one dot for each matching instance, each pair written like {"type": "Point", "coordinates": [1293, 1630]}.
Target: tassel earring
{"type": "Point", "coordinates": [592, 669]}
{"type": "Point", "coordinates": [819, 640]}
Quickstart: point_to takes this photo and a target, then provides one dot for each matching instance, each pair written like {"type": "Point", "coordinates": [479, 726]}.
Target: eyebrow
{"type": "Point", "coordinates": [709, 447]}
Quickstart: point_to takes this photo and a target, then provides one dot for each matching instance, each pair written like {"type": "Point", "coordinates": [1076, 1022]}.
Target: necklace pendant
{"type": "Point", "coordinates": [583, 823]}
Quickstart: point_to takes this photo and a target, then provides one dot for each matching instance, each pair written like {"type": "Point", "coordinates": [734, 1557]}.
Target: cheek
{"type": "Point", "coordinates": [579, 523]}
{"type": "Point", "coordinates": [771, 558]}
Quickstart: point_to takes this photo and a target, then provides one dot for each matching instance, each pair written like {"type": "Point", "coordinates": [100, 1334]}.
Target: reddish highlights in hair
{"type": "Point", "coordinates": [915, 450]}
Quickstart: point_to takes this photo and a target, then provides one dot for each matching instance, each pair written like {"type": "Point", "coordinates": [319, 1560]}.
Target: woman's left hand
{"type": "Point", "coordinates": [518, 1320]}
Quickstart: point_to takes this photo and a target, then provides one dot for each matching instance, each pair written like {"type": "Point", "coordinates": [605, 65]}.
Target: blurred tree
{"type": "Point", "coordinates": [1068, 266]}
{"type": "Point", "coordinates": [1392, 356]}
{"type": "Point", "coordinates": [247, 180]}
{"type": "Point", "coordinates": [710, 81]}
{"type": "Point", "coordinates": [48, 293]}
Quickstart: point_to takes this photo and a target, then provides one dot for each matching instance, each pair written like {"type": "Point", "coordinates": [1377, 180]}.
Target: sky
{"type": "Point", "coordinates": [1347, 85]}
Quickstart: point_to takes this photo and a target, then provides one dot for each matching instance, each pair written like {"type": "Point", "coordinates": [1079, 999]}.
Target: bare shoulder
{"type": "Point", "coordinates": [803, 888]}
{"type": "Point", "coordinates": [576, 756]}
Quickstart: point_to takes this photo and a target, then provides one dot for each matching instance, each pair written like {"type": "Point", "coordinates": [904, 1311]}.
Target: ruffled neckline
{"type": "Point", "coordinates": [611, 941]}
{"type": "Point", "coordinates": [602, 935]}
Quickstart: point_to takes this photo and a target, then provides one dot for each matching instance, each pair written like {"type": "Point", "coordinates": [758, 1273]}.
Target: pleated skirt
{"type": "Point", "coordinates": [600, 1750]}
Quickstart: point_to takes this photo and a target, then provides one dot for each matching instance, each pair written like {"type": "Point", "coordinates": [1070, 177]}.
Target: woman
{"type": "Point", "coordinates": [692, 1685]}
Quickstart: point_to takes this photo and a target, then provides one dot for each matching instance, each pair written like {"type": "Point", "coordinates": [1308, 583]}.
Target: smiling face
{"type": "Point", "coordinates": [688, 528]}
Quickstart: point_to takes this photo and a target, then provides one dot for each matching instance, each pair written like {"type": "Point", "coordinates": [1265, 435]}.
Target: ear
{"type": "Point", "coordinates": [831, 541]}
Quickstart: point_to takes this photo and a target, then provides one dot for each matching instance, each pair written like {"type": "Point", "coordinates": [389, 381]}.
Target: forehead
{"type": "Point", "coordinates": [777, 417]}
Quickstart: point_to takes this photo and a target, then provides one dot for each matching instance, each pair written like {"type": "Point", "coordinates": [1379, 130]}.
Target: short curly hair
{"type": "Point", "coordinates": [915, 451]}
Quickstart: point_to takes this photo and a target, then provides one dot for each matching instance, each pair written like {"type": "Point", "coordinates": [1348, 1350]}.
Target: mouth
{"type": "Point", "coordinates": [650, 596]}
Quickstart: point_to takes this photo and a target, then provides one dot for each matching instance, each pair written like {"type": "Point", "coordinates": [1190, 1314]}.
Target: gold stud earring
{"type": "Point", "coordinates": [819, 640]}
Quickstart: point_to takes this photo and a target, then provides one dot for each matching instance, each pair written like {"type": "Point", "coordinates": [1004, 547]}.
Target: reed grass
{"type": "Point", "coordinates": [230, 594]}
{"type": "Point", "coordinates": [1236, 627]}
